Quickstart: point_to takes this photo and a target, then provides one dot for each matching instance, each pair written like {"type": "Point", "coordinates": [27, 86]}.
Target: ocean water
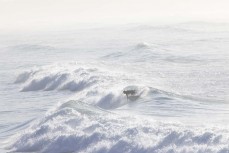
{"type": "Point", "coordinates": [62, 90]}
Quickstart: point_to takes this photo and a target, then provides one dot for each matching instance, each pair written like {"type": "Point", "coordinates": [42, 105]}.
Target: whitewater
{"type": "Point", "coordinates": [61, 91]}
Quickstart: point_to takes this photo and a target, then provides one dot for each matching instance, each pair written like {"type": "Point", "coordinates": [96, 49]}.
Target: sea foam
{"type": "Point", "coordinates": [78, 127]}
{"type": "Point", "coordinates": [101, 119]}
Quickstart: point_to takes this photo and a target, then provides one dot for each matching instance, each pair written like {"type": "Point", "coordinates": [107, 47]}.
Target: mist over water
{"type": "Point", "coordinates": [27, 15]}
{"type": "Point", "coordinates": [62, 91]}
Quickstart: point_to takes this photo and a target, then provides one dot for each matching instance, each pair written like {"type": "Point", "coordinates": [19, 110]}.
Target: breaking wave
{"type": "Point", "coordinates": [76, 126]}
{"type": "Point", "coordinates": [105, 90]}
{"type": "Point", "coordinates": [69, 77]}
{"type": "Point", "coordinates": [101, 119]}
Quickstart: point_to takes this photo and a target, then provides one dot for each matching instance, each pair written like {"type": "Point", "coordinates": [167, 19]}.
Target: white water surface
{"type": "Point", "coordinates": [62, 91]}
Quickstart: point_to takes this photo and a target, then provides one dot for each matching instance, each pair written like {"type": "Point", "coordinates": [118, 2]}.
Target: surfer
{"type": "Point", "coordinates": [129, 92]}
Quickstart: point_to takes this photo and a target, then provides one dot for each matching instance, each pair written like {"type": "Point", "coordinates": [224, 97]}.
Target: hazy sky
{"type": "Point", "coordinates": [47, 13]}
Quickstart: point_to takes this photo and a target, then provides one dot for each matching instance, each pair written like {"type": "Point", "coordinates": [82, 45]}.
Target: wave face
{"type": "Point", "coordinates": [143, 89]}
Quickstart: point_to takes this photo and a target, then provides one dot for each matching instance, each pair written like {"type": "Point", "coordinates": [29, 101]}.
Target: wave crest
{"type": "Point", "coordinates": [58, 77]}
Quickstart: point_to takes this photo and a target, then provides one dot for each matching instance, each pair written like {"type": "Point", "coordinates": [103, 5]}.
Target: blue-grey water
{"type": "Point", "coordinates": [62, 90]}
